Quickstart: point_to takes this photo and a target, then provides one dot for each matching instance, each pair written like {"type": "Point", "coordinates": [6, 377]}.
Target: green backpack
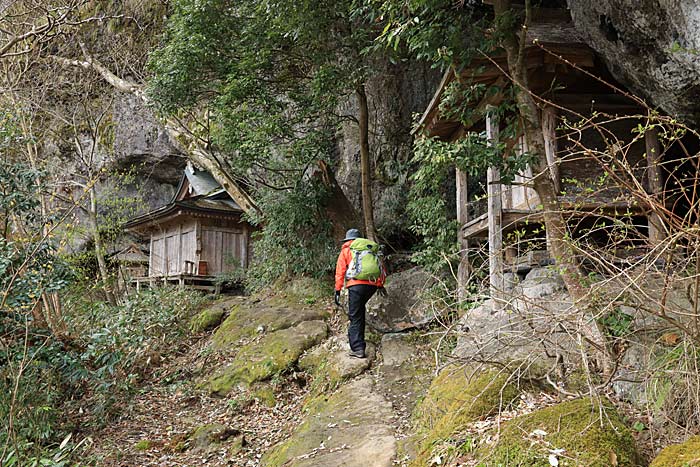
{"type": "Point", "coordinates": [365, 264]}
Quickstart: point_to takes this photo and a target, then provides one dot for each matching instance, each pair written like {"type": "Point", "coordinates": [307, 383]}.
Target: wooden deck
{"type": "Point", "coordinates": [191, 281]}
{"type": "Point", "coordinates": [512, 218]}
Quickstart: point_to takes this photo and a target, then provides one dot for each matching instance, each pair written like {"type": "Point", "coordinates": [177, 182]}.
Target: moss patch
{"type": "Point", "coordinates": [455, 399]}
{"type": "Point", "coordinates": [590, 433]}
{"type": "Point", "coordinates": [331, 367]}
{"type": "Point", "coordinates": [206, 437]}
{"type": "Point", "coordinates": [207, 319]}
{"type": "Point", "coordinates": [324, 376]}
{"type": "Point", "coordinates": [355, 416]}
{"type": "Point", "coordinates": [301, 291]}
{"type": "Point", "coordinates": [247, 320]}
{"type": "Point", "coordinates": [679, 455]}
{"type": "Point", "coordinates": [264, 394]}
{"type": "Point", "coordinates": [143, 445]}
{"type": "Point", "coordinates": [273, 354]}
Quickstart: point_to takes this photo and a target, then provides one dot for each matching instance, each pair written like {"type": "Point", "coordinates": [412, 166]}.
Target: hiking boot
{"type": "Point", "coordinates": [359, 354]}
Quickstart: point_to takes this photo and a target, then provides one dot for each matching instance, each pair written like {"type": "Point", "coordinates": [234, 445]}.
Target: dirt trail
{"type": "Point", "coordinates": [159, 425]}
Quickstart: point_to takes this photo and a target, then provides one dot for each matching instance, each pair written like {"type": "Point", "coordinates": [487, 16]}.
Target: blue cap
{"type": "Point", "coordinates": [351, 234]}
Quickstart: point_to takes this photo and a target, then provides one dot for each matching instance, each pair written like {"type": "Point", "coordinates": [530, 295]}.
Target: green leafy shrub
{"type": "Point", "coordinates": [111, 347]}
{"type": "Point", "coordinates": [295, 238]}
{"type": "Point", "coordinates": [120, 341]}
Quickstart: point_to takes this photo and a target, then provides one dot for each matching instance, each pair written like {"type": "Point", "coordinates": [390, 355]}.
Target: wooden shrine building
{"type": "Point", "coordinates": [570, 85]}
{"type": "Point", "coordinates": [196, 237]}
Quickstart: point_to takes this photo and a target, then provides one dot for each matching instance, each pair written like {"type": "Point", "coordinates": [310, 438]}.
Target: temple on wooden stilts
{"type": "Point", "coordinates": [196, 238]}
{"type": "Point", "coordinates": [582, 110]}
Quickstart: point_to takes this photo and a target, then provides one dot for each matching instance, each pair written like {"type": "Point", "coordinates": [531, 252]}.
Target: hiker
{"type": "Point", "coordinates": [360, 269]}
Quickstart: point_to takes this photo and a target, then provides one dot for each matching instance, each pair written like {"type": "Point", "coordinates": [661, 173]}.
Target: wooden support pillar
{"type": "Point", "coordinates": [495, 214]}
{"type": "Point", "coordinates": [549, 130]}
{"type": "Point", "coordinates": [511, 254]}
{"type": "Point", "coordinates": [657, 231]}
{"type": "Point", "coordinates": [464, 268]}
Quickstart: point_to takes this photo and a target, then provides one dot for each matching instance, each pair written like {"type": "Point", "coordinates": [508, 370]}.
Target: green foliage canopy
{"type": "Point", "coordinates": [263, 83]}
{"type": "Point", "coordinates": [453, 36]}
{"type": "Point", "coordinates": [269, 74]}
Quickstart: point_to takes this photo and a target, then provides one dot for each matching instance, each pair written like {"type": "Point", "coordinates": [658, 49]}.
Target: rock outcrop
{"type": "Point", "coordinates": [403, 308]}
{"type": "Point", "coordinates": [140, 141]}
{"type": "Point", "coordinates": [652, 47]}
{"type": "Point", "coordinates": [210, 317]}
{"type": "Point", "coordinates": [264, 336]}
{"type": "Point", "coordinates": [513, 331]}
{"type": "Point", "coordinates": [351, 427]}
{"type": "Point", "coordinates": [458, 396]}
{"type": "Point", "coordinates": [247, 320]}
{"type": "Point", "coordinates": [273, 353]}
{"type": "Point", "coordinates": [330, 363]}
{"type": "Point", "coordinates": [577, 432]}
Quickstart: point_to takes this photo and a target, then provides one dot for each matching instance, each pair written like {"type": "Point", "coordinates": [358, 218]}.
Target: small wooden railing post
{"type": "Point", "coordinates": [495, 213]}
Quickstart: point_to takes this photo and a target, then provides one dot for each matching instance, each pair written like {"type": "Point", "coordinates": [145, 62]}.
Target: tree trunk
{"type": "Point", "coordinates": [99, 247]}
{"type": "Point", "coordinates": [562, 251]}
{"type": "Point", "coordinates": [367, 209]}
{"type": "Point", "coordinates": [212, 164]}
{"type": "Point", "coordinates": [656, 186]}
{"type": "Point", "coordinates": [52, 316]}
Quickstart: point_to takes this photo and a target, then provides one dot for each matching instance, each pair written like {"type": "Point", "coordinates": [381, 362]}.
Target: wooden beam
{"type": "Point", "coordinates": [657, 230]}
{"type": "Point", "coordinates": [495, 211]}
{"type": "Point", "coordinates": [594, 101]}
{"type": "Point", "coordinates": [150, 257]}
{"type": "Point", "coordinates": [428, 119]}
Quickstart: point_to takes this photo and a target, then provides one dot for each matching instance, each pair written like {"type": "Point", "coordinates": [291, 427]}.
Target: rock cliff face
{"type": "Point", "coordinates": [139, 140]}
{"type": "Point", "coordinates": [142, 144]}
{"type": "Point", "coordinates": [394, 94]}
{"type": "Point", "coordinates": [653, 47]}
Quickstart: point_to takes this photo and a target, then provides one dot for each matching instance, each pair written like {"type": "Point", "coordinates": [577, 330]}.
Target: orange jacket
{"type": "Point", "coordinates": [344, 259]}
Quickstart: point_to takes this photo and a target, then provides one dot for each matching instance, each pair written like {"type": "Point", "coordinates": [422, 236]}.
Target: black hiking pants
{"type": "Point", "coordinates": [358, 296]}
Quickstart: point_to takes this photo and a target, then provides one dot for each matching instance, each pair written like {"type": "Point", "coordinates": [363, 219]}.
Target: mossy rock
{"type": "Point", "coordinates": [207, 437]}
{"type": "Point", "coordinates": [207, 319]}
{"type": "Point", "coordinates": [237, 444]}
{"type": "Point", "coordinates": [330, 365]}
{"type": "Point", "coordinates": [352, 425]}
{"type": "Point", "coordinates": [264, 394]}
{"type": "Point", "coordinates": [301, 291]}
{"type": "Point", "coordinates": [178, 443]}
{"type": "Point", "coordinates": [679, 455]}
{"type": "Point", "coordinates": [456, 398]}
{"type": "Point", "coordinates": [590, 433]}
{"type": "Point", "coordinates": [249, 320]}
{"type": "Point", "coordinates": [273, 354]}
